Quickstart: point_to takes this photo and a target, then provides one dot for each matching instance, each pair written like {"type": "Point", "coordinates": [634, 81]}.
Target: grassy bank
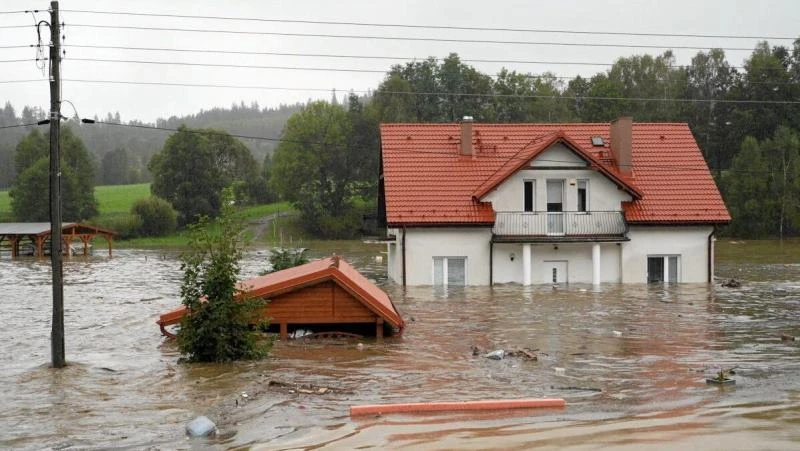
{"type": "Point", "coordinates": [758, 251]}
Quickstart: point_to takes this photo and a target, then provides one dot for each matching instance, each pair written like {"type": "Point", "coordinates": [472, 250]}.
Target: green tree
{"type": "Point", "coordinates": [217, 326]}
{"type": "Point", "coordinates": [30, 194]}
{"type": "Point", "coordinates": [194, 166]}
{"type": "Point", "coordinates": [747, 187]}
{"type": "Point", "coordinates": [314, 168]}
{"type": "Point", "coordinates": [115, 167]}
{"type": "Point", "coordinates": [763, 187]}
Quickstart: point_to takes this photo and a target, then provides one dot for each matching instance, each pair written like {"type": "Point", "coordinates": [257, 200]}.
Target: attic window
{"type": "Point", "coordinates": [597, 141]}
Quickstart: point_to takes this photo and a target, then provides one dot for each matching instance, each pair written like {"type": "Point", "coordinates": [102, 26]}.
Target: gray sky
{"type": "Point", "coordinates": [765, 18]}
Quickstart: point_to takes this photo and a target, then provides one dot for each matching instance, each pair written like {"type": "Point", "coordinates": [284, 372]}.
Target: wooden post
{"type": "Point", "coordinates": [379, 329]}
{"type": "Point", "coordinates": [57, 334]}
{"type": "Point", "coordinates": [284, 331]}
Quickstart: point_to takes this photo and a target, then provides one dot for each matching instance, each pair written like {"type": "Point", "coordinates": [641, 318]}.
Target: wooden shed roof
{"type": "Point", "coordinates": [327, 269]}
{"type": "Point", "coordinates": [43, 228]}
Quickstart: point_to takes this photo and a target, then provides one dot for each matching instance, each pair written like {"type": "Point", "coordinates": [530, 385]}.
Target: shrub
{"type": "Point", "coordinates": [283, 258]}
{"type": "Point", "coordinates": [126, 226]}
{"type": "Point", "coordinates": [217, 326]}
{"type": "Point", "coordinates": [158, 216]}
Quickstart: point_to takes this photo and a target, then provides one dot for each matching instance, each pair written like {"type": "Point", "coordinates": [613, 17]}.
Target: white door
{"type": "Point", "coordinates": [555, 271]}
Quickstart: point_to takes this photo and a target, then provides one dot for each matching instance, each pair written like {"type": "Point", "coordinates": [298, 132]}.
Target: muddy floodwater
{"type": "Point", "coordinates": [630, 361]}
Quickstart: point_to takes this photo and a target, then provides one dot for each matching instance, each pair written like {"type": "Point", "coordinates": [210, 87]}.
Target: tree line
{"type": "Point", "coordinates": [327, 161]}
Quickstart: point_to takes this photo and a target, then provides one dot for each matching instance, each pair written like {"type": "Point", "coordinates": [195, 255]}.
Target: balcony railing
{"type": "Point", "coordinates": [568, 224]}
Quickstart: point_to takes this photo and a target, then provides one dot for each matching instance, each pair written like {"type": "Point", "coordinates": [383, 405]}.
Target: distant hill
{"type": "Point", "coordinates": [141, 143]}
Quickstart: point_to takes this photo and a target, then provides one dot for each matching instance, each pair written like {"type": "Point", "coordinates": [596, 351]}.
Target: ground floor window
{"type": "Point", "coordinates": [450, 271]}
{"type": "Point", "coordinates": [662, 268]}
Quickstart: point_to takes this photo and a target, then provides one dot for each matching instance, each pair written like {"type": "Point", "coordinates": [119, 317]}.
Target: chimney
{"type": "Point", "coordinates": [466, 135]}
{"type": "Point", "coordinates": [622, 143]}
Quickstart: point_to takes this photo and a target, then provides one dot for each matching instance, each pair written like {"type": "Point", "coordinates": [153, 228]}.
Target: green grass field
{"type": "Point", "coordinates": [5, 206]}
{"type": "Point", "coordinates": [116, 200]}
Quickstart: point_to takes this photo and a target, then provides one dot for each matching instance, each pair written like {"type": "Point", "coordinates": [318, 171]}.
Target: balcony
{"type": "Point", "coordinates": [558, 227]}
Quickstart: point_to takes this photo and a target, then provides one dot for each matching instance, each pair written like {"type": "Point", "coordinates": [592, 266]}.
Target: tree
{"type": "Point", "coordinates": [31, 190]}
{"type": "Point", "coordinates": [748, 192]}
{"type": "Point", "coordinates": [216, 327]}
{"type": "Point", "coordinates": [314, 167]}
{"type": "Point", "coordinates": [115, 167]}
{"type": "Point", "coordinates": [194, 166]}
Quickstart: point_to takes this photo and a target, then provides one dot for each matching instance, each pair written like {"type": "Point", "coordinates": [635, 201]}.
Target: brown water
{"type": "Point", "coordinates": [643, 388]}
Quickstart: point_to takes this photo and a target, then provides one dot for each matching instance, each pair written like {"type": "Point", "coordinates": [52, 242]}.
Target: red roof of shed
{"type": "Point", "coordinates": [312, 273]}
{"type": "Point", "coordinates": [428, 182]}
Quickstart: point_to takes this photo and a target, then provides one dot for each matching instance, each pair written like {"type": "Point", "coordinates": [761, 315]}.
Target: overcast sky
{"type": "Point", "coordinates": [756, 19]}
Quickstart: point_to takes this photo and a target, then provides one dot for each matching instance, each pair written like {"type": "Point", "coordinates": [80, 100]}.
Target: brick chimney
{"type": "Point", "coordinates": [466, 135]}
{"type": "Point", "coordinates": [622, 143]}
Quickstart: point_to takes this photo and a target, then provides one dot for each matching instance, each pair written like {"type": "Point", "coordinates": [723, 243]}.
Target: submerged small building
{"type": "Point", "coordinates": [328, 293]}
{"type": "Point", "coordinates": [32, 238]}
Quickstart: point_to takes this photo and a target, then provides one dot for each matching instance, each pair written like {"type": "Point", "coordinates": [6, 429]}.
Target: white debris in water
{"type": "Point", "coordinates": [560, 370]}
{"type": "Point", "coordinates": [617, 333]}
{"type": "Point", "coordinates": [496, 355]}
{"type": "Point", "coordinates": [201, 427]}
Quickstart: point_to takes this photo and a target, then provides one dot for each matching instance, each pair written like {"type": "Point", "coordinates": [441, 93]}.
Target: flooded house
{"type": "Point", "coordinates": [322, 296]}
{"type": "Point", "coordinates": [478, 204]}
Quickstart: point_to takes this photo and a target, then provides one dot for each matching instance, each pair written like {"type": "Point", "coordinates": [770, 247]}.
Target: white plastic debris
{"type": "Point", "coordinates": [496, 355]}
{"type": "Point", "coordinates": [201, 427]}
{"type": "Point", "coordinates": [617, 333]}
{"type": "Point", "coordinates": [560, 370]}
{"type": "Point", "coordinates": [299, 333]}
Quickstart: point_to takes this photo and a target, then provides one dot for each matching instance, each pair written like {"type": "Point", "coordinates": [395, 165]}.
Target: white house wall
{"type": "Point", "coordinates": [423, 244]}
{"type": "Point", "coordinates": [577, 255]}
{"type": "Point", "coordinates": [603, 194]}
{"type": "Point", "coordinates": [690, 243]}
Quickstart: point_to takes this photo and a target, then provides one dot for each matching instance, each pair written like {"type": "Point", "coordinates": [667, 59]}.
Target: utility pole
{"type": "Point", "coordinates": [56, 259]}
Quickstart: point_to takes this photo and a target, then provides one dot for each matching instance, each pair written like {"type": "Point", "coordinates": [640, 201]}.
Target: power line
{"type": "Point", "coordinates": [374, 71]}
{"type": "Point", "coordinates": [20, 60]}
{"type": "Point", "coordinates": [443, 94]}
{"type": "Point", "coordinates": [434, 27]}
{"type": "Point", "coordinates": [403, 38]}
{"type": "Point", "coordinates": [16, 26]}
{"type": "Point", "coordinates": [18, 125]}
{"type": "Point", "coordinates": [370, 57]}
{"type": "Point", "coordinates": [239, 66]}
{"type": "Point", "coordinates": [329, 55]}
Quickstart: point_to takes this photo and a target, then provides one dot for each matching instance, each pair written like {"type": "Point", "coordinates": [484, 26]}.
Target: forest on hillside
{"type": "Point", "coordinates": [122, 150]}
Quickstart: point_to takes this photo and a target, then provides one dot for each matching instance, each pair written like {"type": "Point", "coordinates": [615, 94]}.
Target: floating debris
{"type": "Point", "coordinates": [786, 337]}
{"type": "Point", "coordinates": [201, 427]}
{"type": "Point", "coordinates": [731, 283]}
{"type": "Point", "coordinates": [496, 355]}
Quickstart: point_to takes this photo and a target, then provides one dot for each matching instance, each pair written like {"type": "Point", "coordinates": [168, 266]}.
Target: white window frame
{"type": "Point", "coordinates": [445, 268]}
{"type": "Point", "coordinates": [666, 258]}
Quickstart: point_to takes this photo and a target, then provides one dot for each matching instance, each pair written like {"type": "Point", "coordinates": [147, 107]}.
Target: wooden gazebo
{"type": "Point", "coordinates": [37, 233]}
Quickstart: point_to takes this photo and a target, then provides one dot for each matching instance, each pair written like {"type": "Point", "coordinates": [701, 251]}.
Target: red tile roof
{"type": "Point", "coordinates": [428, 182]}
{"type": "Point", "coordinates": [312, 273]}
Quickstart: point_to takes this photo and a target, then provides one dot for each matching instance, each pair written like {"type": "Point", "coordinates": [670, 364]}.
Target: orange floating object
{"type": "Point", "coordinates": [494, 404]}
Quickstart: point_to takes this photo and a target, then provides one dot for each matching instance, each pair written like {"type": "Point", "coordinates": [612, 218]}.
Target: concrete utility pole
{"type": "Point", "coordinates": [56, 259]}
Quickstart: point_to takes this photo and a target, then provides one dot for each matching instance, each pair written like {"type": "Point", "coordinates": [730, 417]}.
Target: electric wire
{"type": "Point", "coordinates": [401, 38]}
{"type": "Point", "coordinates": [432, 27]}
